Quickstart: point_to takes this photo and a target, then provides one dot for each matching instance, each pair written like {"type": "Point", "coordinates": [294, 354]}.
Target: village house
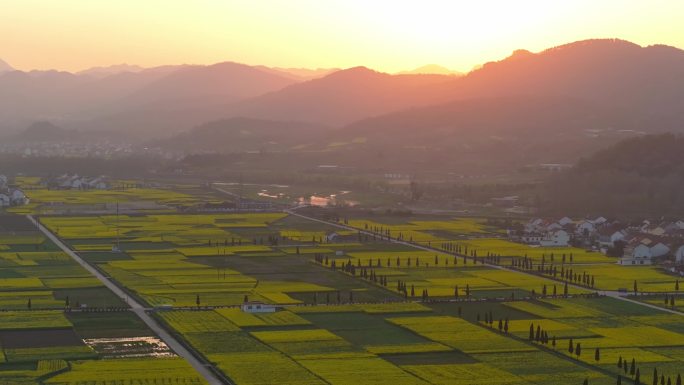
{"type": "Point", "coordinates": [600, 221]}
{"type": "Point", "coordinates": [531, 238]}
{"type": "Point", "coordinates": [585, 227]}
{"type": "Point", "coordinates": [565, 221]}
{"type": "Point", "coordinates": [76, 182]}
{"type": "Point", "coordinates": [609, 235]}
{"type": "Point", "coordinates": [558, 238]}
{"type": "Point", "coordinates": [257, 307]}
{"type": "Point", "coordinates": [17, 197]}
{"type": "Point", "coordinates": [659, 249]}
{"type": "Point", "coordinates": [638, 254]}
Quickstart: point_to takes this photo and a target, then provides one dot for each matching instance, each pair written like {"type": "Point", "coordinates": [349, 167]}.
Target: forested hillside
{"type": "Point", "coordinates": [636, 177]}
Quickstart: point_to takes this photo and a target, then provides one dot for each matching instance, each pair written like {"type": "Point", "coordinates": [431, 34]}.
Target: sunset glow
{"type": "Point", "coordinates": [385, 35]}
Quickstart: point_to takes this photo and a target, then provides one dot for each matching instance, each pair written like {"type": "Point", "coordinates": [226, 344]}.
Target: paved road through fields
{"type": "Point", "coordinates": [136, 307]}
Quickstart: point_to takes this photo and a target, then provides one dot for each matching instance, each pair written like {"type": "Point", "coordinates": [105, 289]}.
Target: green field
{"type": "Point", "coordinates": [354, 308]}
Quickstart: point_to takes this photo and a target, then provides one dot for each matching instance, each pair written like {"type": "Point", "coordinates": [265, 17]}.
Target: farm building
{"type": "Point", "coordinates": [659, 249]}
{"type": "Point", "coordinates": [636, 255]}
{"type": "Point", "coordinates": [258, 307]}
{"type": "Point", "coordinates": [555, 238]}
{"type": "Point", "coordinates": [18, 197]}
{"type": "Point", "coordinates": [585, 227]}
{"type": "Point", "coordinates": [610, 235]}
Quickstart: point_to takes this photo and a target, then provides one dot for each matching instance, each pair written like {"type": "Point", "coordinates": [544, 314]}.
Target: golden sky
{"type": "Point", "coordinates": [384, 35]}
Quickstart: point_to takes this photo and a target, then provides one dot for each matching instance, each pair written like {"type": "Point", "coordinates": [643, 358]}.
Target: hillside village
{"type": "Point", "coordinates": [641, 243]}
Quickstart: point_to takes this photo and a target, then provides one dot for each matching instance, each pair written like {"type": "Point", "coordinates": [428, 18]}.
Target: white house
{"type": "Point", "coordinates": [564, 221]}
{"type": "Point", "coordinates": [534, 225]}
{"type": "Point", "coordinates": [531, 238]}
{"type": "Point", "coordinates": [556, 238]}
{"type": "Point", "coordinates": [679, 254]}
{"type": "Point", "coordinates": [19, 198]}
{"type": "Point", "coordinates": [659, 249]}
{"type": "Point", "coordinates": [599, 221]}
{"type": "Point", "coordinates": [636, 255]}
{"type": "Point", "coordinates": [554, 226]}
{"type": "Point", "coordinates": [585, 227]}
{"type": "Point", "coordinates": [332, 237]}
{"type": "Point", "coordinates": [257, 307]}
{"type": "Point", "coordinates": [4, 200]}
{"type": "Point", "coordinates": [608, 238]}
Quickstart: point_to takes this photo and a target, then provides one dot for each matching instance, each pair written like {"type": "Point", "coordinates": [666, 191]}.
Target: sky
{"type": "Point", "coordinates": [388, 36]}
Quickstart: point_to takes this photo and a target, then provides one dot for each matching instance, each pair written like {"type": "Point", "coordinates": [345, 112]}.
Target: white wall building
{"type": "Point", "coordinates": [610, 239]}
{"type": "Point", "coordinates": [257, 307]}
{"type": "Point", "coordinates": [18, 197]}
{"type": "Point", "coordinates": [659, 249]}
{"type": "Point", "coordinates": [637, 255]}
{"type": "Point", "coordinates": [559, 238]}
{"type": "Point", "coordinates": [585, 227]}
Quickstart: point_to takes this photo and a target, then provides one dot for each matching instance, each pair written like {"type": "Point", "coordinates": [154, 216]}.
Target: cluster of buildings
{"type": "Point", "coordinates": [76, 182]}
{"type": "Point", "coordinates": [68, 149]}
{"type": "Point", "coordinates": [10, 196]}
{"type": "Point", "coordinates": [559, 233]}
{"type": "Point", "coordinates": [640, 243]}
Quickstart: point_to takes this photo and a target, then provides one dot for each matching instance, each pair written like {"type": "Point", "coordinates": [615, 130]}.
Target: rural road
{"type": "Point", "coordinates": [607, 293]}
{"type": "Point", "coordinates": [137, 308]}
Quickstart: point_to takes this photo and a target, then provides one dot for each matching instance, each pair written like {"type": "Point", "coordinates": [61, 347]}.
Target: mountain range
{"type": "Point", "coordinates": [529, 107]}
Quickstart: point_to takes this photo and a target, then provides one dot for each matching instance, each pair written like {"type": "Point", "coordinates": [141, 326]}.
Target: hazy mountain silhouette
{"type": "Point", "coordinates": [243, 135]}
{"type": "Point", "coordinates": [633, 87]}
{"type": "Point", "coordinates": [147, 101]}
{"type": "Point", "coordinates": [343, 96]}
{"type": "Point", "coordinates": [549, 107]}
{"type": "Point", "coordinates": [299, 74]}
{"type": "Point", "coordinates": [640, 177]}
{"type": "Point", "coordinates": [110, 70]}
{"type": "Point", "coordinates": [44, 132]}
{"type": "Point", "coordinates": [498, 134]}
{"type": "Point", "coordinates": [5, 67]}
{"type": "Point", "coordinates": [431, 69]}
{"type": "Point", "coordinates": [610, 72]}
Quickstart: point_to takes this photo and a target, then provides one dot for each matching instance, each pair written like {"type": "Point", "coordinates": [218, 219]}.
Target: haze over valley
{"type": "Point", "coordinates": [341, 192]}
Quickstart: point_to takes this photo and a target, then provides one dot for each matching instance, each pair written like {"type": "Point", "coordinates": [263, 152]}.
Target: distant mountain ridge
{"type": "Point", "coordinates": [641, 88]}
{"type": "Point", "coordinates": [553, 106]}
{"type": "Point", "coordinates": [5, 67]}
{"type": "Point", "coordinates": [110, 70]}
{"type": "Point", "coordinates": [431, 69]}
{"type": "Point", "coordinates": [243, 135]}
{"type": "Point", "coordinates": [343, 97]}
{"type": "Point", "coordinates": [44, 132]}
